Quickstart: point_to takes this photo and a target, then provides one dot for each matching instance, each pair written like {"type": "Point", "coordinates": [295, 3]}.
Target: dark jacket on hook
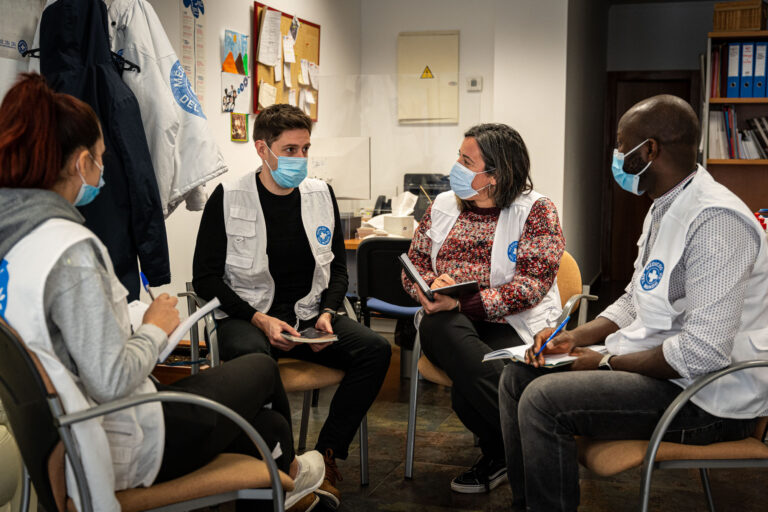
{"type": "Point", "coordinates": [127, 216]}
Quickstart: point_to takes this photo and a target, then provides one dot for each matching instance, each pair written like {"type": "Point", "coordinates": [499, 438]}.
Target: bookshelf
{"type": "Point", "coordinates": [746, 178]}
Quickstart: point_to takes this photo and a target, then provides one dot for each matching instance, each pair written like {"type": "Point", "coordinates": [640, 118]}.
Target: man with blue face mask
{"type": "Point", "coordinates": [270, 248]}
{"type": "Point", "coordinates": [697, 303]}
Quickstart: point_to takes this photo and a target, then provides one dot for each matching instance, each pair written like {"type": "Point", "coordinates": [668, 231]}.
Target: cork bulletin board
{"type": "Point", "coordinates": [306, 46]}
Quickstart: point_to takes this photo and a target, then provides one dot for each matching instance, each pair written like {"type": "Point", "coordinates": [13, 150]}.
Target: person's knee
{"type": "Point", "coordinates": [436, 329]}
{"type": "Point", "coordinates": [536, 401]}
{"type": "Point", "coordinates": [255, 370]}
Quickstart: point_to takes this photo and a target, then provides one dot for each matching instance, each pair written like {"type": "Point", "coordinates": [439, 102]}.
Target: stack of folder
{"type": "Point", "coordinates": [739, 70]}
{"type": "Point", "coordinates": [727, 141]}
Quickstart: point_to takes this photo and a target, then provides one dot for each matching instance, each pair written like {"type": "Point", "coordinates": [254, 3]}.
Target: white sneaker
{"type": "Point", "coordinates": [310, 476]}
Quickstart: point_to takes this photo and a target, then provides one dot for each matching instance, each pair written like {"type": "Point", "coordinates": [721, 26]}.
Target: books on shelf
{"type": "Point", "coordinates": [729, 139]}
{"type": "Point", "coordinates": [738, 70]}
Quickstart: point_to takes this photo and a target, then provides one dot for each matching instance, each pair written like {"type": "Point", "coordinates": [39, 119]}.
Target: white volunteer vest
{"type": "Point", "coordinates": [445, 211]}
{"type": "Point", "coordinates": [247, 266]}
{"type": "Point", "coordinates": [740, 395]}
{"type": "Point", "coordinates": [134, 437]}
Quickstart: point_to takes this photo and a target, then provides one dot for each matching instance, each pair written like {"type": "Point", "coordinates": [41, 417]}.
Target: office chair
{"type": "Point", "coordinates": [608, 458]}
{"type": "Point", "coordinates": [569, 285]}
{"type": "Point", "coordinates": [296, 375]}
{"type": "Point", "coordinates": [43, 432]}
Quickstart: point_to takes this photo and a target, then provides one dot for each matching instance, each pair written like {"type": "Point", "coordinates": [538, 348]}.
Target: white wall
{"type": "Point", "coordinates": [529, 83]}
{"type": "Point", "coordinates": [339, 56]}
{"type": "Point", "coordinates": [658, 36]}
{"type": "Point", "coordinates": [395, 149]}
{"type": "Point", "coordinates": [584, 110]}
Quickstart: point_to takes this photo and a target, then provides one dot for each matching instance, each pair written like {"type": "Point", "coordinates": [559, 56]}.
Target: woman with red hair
{"type": "Point", "coordinates": [59, 291]}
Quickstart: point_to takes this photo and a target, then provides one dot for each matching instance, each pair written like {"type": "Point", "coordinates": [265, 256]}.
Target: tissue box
{"type": "Point", "coordinates": [349, 224]}
{"type": "Point", "coordinates": [399, 226]}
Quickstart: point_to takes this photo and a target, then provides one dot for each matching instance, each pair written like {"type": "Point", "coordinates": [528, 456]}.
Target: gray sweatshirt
{"type": "Point", "coordinates": [79, 307]}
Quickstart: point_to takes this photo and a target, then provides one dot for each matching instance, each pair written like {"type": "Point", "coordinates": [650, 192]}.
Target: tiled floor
{"type": "Point", "coordinates": [444, 448]}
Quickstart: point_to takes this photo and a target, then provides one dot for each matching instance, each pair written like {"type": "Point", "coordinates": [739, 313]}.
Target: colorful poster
{"type": "Point", "coordinates": [236, 93]}
{"type": "Point", "coordinates": [193, 44]}
{"type": "Point", "coordinates": [234, 57]}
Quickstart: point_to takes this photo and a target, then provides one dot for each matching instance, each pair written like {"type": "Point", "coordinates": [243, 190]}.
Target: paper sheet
{"type": "Point", "coordinates": [287, 74]}
{"type": "Point", "coordinates": [267, 94]}
{"type": "Point", "coordinates": [314, 71]}
{"type": "Point", "coordinates": [269, 38]}
{"type": "Point", "coordinates": [288, 43]}
{"type": "Point", "coordinates": [302, 99]}
{"type": "Point", "coordinates": [292, 97]}
{"type": "Point", "coordinates": [304, 72]}
{"type": "Point", "coordinates": [309, 97]}
{"type": "Point", "coordinates": [279, 67]}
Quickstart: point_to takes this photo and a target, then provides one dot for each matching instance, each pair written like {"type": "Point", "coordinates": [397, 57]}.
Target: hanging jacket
{"type": "Point", "coordinates": [126, 216]}
{"type": "Point", "coordinates": [184, 153]}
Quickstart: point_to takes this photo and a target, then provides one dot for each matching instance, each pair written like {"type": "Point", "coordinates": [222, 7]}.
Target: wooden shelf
{"type": "Point", "coordinates": [736, 161]}
{"type": "Point", "coordinates": [744, 34]}
{"type": "Point", "coordinates": [742, 101]}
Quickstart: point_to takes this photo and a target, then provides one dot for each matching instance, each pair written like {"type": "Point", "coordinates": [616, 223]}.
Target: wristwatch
{"type": "Point", "coordinates": [605, 362]}
{"type": "Point", "coordinates": [331, 312]}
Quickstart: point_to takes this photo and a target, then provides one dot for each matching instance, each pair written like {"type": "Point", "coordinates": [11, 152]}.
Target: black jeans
{"type": "Point", "coordinates": [455, 344]}
{"type": "Point", "coordinates": [362, 354]}
{"type": "Point", "coordinates": [195, 435]}
{"type": "Point", "coordinates": [542, 409]}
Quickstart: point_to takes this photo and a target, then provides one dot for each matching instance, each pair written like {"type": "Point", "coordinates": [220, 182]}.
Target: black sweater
{"type": "Point", "coordinates": [291, 263]}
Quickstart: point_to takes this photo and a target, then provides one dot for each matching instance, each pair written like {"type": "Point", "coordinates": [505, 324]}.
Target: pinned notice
{"type": "Point", "coordinates": [269, 38]}
{"type": "Point", "coordinates": [288, 53]}
{"type": "Point", "coordinates": [267, 94]}
{"type": "Point", "coordinates": [314, 70]}
{"type": "Point", "coordinates": [287, 74]}
{"type": "Point", "coordinates": [427, 73]}
{"type": "Point", "coordinates": [304, 72]}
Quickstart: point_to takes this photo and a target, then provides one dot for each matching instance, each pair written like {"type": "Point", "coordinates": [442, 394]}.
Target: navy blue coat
{"type": "Point", "coordinates": [127, 216]}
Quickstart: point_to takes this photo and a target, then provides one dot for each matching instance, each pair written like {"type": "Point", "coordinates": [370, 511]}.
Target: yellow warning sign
{"type": "Point", "coordinates": [427, 73]}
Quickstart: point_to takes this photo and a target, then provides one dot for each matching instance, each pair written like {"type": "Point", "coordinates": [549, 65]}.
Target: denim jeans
{"type": "Point", "coordinates": [543, 409]}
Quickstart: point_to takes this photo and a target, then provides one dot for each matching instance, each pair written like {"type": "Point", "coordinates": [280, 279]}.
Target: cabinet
{"type": "Point", "coordinates": [746, 178]}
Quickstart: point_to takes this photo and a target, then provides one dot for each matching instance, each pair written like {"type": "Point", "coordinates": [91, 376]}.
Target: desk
{"type": "Point", "coordinates": [351, 244]}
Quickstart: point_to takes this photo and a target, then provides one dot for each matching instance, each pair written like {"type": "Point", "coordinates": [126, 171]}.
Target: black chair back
{"type": "Point", "coordinates": [24, 397]}
{"type": "Point", "coordinates": [378, 272]}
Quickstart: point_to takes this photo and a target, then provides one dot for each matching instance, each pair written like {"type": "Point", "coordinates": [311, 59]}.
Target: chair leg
{"type": "Point", "coordinates": [364, 451]}
{"type": "Point", "coordinates": [304, 421]}
{"type": "Point", "coordinates": [704, 473]}
{"type": "Point", "coordinates": [410, 437]}
{"type": "Point", "coordinates": [315, 397]}
{"type": "Point", "coordinates": [25, 490]}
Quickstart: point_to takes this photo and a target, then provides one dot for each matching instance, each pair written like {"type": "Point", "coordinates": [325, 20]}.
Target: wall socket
{"type": "Point", "coordinates": [474, 83]}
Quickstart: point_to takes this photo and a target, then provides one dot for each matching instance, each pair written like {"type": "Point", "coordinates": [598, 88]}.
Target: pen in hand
{"type": "Point", "coordinates": [145, 283]}
{"type": "Point", "coordinates": [557, 331]}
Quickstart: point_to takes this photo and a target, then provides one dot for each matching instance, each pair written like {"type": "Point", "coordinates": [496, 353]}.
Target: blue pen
{"type": "Point", "coordinates": [145, 283]}
{"type": "Point", "coordinates": [557, 331]}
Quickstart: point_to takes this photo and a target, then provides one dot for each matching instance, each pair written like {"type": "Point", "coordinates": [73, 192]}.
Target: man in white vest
{"type": "Point", "coordinates": [697, 303]}
{"type": "Point", "coordinates": [269, 248]}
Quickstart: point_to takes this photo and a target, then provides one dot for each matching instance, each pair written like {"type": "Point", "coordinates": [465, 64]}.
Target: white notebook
{"type": "Point", "coordinates": [550, 361]}
{"type": "Point", "coordinates": [136, 310]}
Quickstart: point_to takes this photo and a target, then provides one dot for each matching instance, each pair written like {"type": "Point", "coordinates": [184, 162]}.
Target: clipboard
{"type": "Point", "coordinates": [455, 290]}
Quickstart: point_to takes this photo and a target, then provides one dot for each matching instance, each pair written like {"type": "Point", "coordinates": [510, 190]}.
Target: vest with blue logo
{"type": "Point", "coordinates": [445, 211]}
{"type": "Point", "coordinates": [246, 270]}
{"type": "Point", "coordinates": [740, 395]}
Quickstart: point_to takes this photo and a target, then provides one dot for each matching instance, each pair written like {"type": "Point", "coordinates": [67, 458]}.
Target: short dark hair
{"type": "Point", "coordinates": [39, 130]}
{"type": "Point", "coordinates": [504, 151]}
{"type": "Point", "coordinates": [271, 122]}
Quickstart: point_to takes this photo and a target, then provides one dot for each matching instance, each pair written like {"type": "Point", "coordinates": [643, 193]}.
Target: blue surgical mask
{"type": "Point", "coordinates": [88, 193]}
{"type": "Point", "coordinates": [461, 181]}
{"type": "Point", "coordinates": [629, 182]}
{"type": "Point", "coordinates": [290, 171]}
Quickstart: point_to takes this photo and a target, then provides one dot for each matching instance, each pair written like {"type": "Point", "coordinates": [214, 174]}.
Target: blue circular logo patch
{"type": "Point", "coordinates": [323, 235]}
{"type": "Point", "coordinates": [22, 46]}
{"type": "Point", "coordinates": [652, 275]}
{"type": "Point", "coordinates": [512, 252]}
{"type": "Point", "coordinates": [3, 286]}
{"type": "Point", "coordinates": [182, 91]}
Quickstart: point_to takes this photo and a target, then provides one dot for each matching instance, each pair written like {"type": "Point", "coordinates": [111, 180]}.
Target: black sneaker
{"type": "Point", "coordinates": [484, 476]}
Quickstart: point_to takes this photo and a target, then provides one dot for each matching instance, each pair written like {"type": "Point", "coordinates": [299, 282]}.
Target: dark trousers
{"type": "Point", "coordinates": [541, 411]}
{"type": "Point", "coordinates": [455, 344]}
{"type": "Point", "coordinates": [362, 354]}
{"type": "Point", "coordinates": [195, 435]}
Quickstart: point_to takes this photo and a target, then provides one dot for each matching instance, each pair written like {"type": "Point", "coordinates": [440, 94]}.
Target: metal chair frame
{"type": "Point", "coordinates": [63, 424]}
{"type": "Point", "coordinates": [310, 396]}
{"type": "Point", "coordinates": [650, 463]}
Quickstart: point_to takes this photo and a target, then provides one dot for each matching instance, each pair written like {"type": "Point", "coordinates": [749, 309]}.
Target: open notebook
{"type": "Point", "coordinates": [136, 310]}
{"type": "Point", "coordinates": [550, 361]}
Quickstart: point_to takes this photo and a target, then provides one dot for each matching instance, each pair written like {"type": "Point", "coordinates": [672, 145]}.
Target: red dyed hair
{"type": "Point", "coordinates": [39, 131]}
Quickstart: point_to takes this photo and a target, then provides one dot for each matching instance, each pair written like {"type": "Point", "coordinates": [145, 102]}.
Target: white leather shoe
{"type": "Point", "coordinates": [310, 476]}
